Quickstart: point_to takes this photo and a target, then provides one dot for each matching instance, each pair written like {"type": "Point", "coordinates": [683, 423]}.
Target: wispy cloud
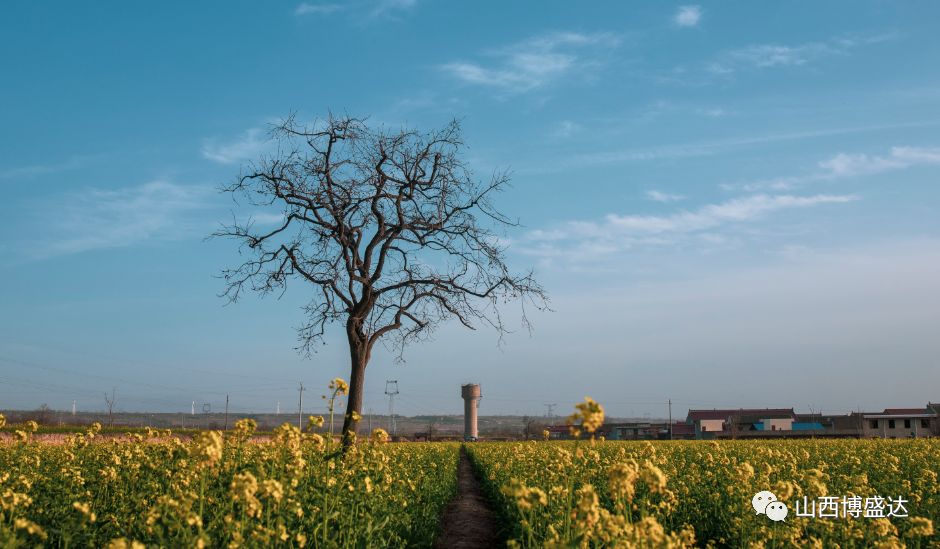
{"type": "Point", "coordinates": [247, 146]}
{"type": "Point", "coordinates": [97, 219]}
{"type": "Point", "coordinates": [72, 163]}
{"type": "Point", "coordinates": [308, 9]}
{"type": "Point", "coordinates": [765, 56]}
{"type": "Point", "coordinates": [712, 113]}
{"type": "Point", "coordinates": [392, 7]}
{"type": "Point", "coordinates": [707, 148]}
{"type": "Point", "coordinates": [566, 128]}
{"type": "Point", "coordinates": [847, 165]}
{"type": "Point", "coordinates": [713, 215]}
{"type": "Point", "coordinates": [659, 196]}
{"type": "Point", "coordinates": [688, 16]}
{"type": "Point", "coordinates": [772, 55]}
{"type": "Point", "coordinates": [266, 218]}
{"type": "Point", "coordinates": [534, 63]}
{"type": "Point", "coordinates": [709, 224]}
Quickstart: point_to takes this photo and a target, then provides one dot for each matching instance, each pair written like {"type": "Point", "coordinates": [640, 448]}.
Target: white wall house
{"type": "Point", "coordinates": [899, 423]}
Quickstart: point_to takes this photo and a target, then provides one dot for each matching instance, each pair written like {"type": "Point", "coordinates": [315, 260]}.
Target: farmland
{"type": "Point", "coordinates": [699, 492]}
{"type": "Point", "coordinates": [220, 490]}
{"type": "Point", "coordinates": [297, 490]}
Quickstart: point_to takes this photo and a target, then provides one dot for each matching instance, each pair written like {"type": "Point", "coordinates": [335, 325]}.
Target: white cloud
{"type": "Point", "coordinates": [712, 113]}
{"type": "Point", "coordinates": [772, 55]}
{"type": "Point", "coordinates": [566, 128]}
{"type": "Point", "coordinates": [688, 16]}
{"type": "Point", "coordinates": [267, 218]}
{"type": "Point", "coordinates": [249, 145]}
{"type": "Point", "coordinates": [112, 218]}
{"type": "Point", "coordinates": [306, 9]}
{"type": "Point", "coordinates": [713, 215]}
{"type": "Point", "coordinates": [763, 56]}
{"type": "Point", "coordinates": [845, 165]}
{"type": "Point", "coordinates": [659, 196]}
{"type": "Point", "coordinates": [72, 163]}
{"type": "Point", "coordinates": [703, 148]}
{"type": "Point", "coordinates": [389, 7]}
{"type": "Point", "coordinates": [533, 63]}
{"type": "Point", "coordinates": [580, 243]}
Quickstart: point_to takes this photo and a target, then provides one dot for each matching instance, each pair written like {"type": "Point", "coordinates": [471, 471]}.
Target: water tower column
{"type": "Point", "coordinates": [471, 395]}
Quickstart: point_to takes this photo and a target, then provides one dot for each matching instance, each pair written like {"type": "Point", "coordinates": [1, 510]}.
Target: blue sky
{"type": "Point", "coordinates": [731, 204]}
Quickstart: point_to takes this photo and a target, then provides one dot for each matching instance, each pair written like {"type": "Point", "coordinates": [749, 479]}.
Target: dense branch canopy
{"type": "Point", "coordinates": [391, 229]}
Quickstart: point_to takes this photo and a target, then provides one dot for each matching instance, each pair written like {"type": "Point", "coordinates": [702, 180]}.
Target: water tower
{"type": "Point", "coordinates": [471, 395]}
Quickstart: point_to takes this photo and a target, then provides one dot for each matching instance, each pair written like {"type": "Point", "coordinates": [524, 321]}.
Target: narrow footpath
{"type": "Point", "coordinates": [468, 521]}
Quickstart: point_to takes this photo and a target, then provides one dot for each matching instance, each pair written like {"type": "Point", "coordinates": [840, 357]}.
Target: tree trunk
{"type": "Point", "coordinates": [359, 358]}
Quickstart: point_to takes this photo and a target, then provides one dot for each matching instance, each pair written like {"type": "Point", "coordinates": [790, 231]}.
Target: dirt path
{"type": "Point", "coordinates": [468, 522]}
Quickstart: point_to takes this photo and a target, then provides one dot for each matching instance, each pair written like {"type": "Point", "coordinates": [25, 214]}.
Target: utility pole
{"type": "Point", "coordinates": [550, 414]}
{"type": "Point", "coordinates": [670, 419]}
{"type": "Point", "coordinates": [391, 389]}
{"type": "Point", "coordinates": [226, 414]}
{"type": "Point", "coordinates": [110, 403]}
{"type": "Point", "coordinates": [860, 422]}
{"type": "Point", "coordinates": [300, 407]}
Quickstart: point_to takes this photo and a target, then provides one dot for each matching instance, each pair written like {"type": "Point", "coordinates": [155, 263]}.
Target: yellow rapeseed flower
{"type": "Point", "coordinates": [243, 489]}
{"type": "Point", "coordinates": [653, 477]}
{"type": "Point", "coordinates": [379, 435]}
{"type": "Point", "coordinates": [623, 478]}
{"type": "Point", "coordinates": [589, 413]}
{"type": "Point", "coordinates": [84, 509]}
{"type": "Point", "coordinates": [339, 386]}
{"type": "Point", "coordinates": [31, 528]}
{"type": "Point", "coordinates": [273, 489]}
{"type": "Point", "coordinates": [920, 527]}
{"type": "Point", "coordinates": [207, 448]}
{"type": "Point", "coordinates": [246, 426]}
{"type": "Point", "coordinates": [123, 543]}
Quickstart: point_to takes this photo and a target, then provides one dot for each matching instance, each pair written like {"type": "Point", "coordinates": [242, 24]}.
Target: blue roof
{"type": "Point", "coordinates": [797, 426]}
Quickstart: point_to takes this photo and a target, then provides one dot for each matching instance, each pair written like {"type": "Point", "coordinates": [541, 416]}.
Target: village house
{"type": "Point", "coordinates": [901, 423]}
{"type": "Point", "coordinates": [775, 423]}
{"type": "Point", "coordinates": [712, 423]}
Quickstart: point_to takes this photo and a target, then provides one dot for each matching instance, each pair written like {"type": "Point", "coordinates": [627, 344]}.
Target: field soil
{"type": "Point", "coordinates": [468, 521]}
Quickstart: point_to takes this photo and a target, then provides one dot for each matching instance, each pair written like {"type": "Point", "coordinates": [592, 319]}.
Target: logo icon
{"type": "Point", "coordinates": [777, 511]}
{"type": "Point", "coordinates": [766, 503]}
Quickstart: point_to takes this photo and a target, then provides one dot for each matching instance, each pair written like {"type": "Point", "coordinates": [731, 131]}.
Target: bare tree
{"type": "Point", "coordinates": [533, 427]}
{"type": "Point", "coordinates": [391, 230]}
{"type": "Point", "coordinates": [42, 415]}
{"type": "Point", "coordinates": [110, 402]}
